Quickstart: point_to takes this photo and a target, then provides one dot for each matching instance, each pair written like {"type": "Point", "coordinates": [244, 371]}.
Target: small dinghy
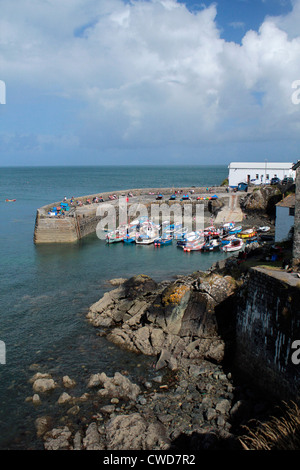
{"type": "Point", "coordinates": [235, 245]}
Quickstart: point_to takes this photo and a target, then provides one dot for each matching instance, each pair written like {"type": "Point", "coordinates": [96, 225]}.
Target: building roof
{"type": "Point", "coordinates": [262, 165]}
{"type": "Point", "coordinates": [288, 201]}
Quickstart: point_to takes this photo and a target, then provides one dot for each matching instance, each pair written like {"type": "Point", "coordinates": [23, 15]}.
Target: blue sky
{"type": "Point", "coordinates": [149, 81]}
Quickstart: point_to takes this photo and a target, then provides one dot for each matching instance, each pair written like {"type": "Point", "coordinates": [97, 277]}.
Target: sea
{"type": "Point", "coordinates": [46, 290]}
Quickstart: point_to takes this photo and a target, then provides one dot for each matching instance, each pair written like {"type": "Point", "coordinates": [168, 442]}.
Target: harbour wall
{"type": "Point", "coordinates": [82, 220]}
{"type": "Point", "coordinates": [267, 327]}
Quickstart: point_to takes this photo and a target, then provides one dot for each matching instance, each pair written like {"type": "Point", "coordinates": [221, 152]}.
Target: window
{"type": "Point", "coordinates": [292, 211]}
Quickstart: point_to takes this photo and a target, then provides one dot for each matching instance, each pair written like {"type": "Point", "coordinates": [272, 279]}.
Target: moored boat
{"type": "Point", "coordinates": [235, 230]}
{"type": "Point", "coordinates": [212, 245]}
{"type": "Point", "coordinates": [114, 237]}
{"type": "Point", "coordinates": [250, 233]}
{"type": "Point", "coordinates": [163, 241]}
{"type": "Point", "coordinates": [235, 245]}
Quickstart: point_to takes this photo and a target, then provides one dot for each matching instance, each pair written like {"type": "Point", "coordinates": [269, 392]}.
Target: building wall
{"type": "Point", "coordinates": [267, 326]}
{"type": "Point", "coordinates": [296, 248]}
{"type": "Point", "coordinates": [284, 223]}
{"type": "Point", "coordinates": [239, 175]}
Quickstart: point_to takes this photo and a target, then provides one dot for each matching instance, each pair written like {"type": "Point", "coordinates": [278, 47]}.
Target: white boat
{"type": "Point", "coordinates": [145, 240]}
{"type": "Point", "coordinates": [234, 230]}
{"type": "Point", "coordinates": [212, 245]}
{"type": "Point", "coordinates": [147, 234]}
{"type": "Point", "coordinates": [263, 229]}
{"type": "Point", "coordinates": [115, 236]}
{"type": "Point", "coordinates": [235, 245]}
{"type": "Point", "coordinates": [196, 246]}
{"type": "Point", "coordinates": [180, 234]}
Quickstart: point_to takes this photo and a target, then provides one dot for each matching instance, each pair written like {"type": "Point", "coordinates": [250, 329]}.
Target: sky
{"type": "Point", "coordinates": [149, 82]}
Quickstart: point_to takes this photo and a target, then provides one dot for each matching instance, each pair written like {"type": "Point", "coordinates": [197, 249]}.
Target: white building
{"type": "Point", "coordinates": [263, 172]}
{"type": "Point", "coordinates": [285, 217]}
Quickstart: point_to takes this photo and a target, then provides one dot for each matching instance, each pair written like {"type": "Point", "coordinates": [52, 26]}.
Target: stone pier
{"type": "Point", "coordinates": [81, 221]}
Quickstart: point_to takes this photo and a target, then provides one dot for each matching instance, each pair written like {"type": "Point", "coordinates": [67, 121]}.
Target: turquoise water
{"type": "Point", "coordinates": [46, 290]}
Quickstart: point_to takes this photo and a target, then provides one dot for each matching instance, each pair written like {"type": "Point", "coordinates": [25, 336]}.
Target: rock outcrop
{"type": "Point", "coordinates": [174, 320]}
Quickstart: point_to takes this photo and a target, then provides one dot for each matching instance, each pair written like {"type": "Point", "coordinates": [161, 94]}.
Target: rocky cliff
{"type": "Point", "coordinates": [175, 321]}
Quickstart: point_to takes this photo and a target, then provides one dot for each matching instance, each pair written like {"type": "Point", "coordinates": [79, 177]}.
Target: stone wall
{"type": "Point", "coordinates": [267, 324]}
{"type": "Point", "coordinates": [55, 230]}
{"type": "Point", "coordinates": [83, 220]}
{"type": "Point", "coordinates": [296, 248]}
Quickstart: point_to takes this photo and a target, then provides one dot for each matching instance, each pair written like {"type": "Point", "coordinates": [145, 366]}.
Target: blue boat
{"type": "Point", "coordinates": [235, 230]}
{"type": "Point", "coordinates": [129, 239]}
{"type": "Point", "coordinates": [163, 241]}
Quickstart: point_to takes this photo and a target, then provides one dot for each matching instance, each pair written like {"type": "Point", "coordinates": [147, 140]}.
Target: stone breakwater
{"type": "Point", "coordinates": [82, 220]}
{"type": "Point", "coordinates": [189, 401]}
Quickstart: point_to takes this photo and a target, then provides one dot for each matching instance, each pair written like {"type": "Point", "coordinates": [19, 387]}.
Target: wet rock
{"type": "Point", "coordinates": [118, 386]}
{"type": "Point", "coordinates": [58, 439]}
{"type": "Point", "coordinates": [67, 382]}
{"type": "Point", "coordinates": [36, 399]}
{"type": "Point", "coordinates": [92, 439]}
{"type": "Point", "coordinates": [42, 425]}
{"type": "Point", "coordinates": [138, 285]}
{"type": "Point", "coordinates": [44, 385]}
{"type": "Point", "coordinates": [77, 442]}
{"type": "Point", "coordinates": [118, 281]}
{"type": "Point", "coordinates": [64, 398]}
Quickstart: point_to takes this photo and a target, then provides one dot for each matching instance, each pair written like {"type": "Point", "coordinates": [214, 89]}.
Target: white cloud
{"type": "Point", "coordinates": [151, 72]}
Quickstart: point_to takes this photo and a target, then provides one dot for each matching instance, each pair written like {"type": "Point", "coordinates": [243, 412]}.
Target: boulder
{"type": "Point", "coordinates": [42, 425]}
{"type": "Point", "coordinates": [118, 386]}
{"type": "Point", "coordinates": [92, 439]}
{"type": "Point", "coordinates": [139, 285]}
{"type": "Point", "coordinates": [58, 439]}
{"type": "Point", "coordinates": [44, 385]}
{"type": "Point", "coordinates": [133, 432]}
{"type": "Point", "coordinates": [64, 398]}
{"type": "Point", "coordinates": [67, 382]}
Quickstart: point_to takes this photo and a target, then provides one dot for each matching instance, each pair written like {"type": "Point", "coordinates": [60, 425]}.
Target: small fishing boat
{"type": "Point", "coordinates": [197, 245]}
{"type": "Point", "coordinates": [180, 234]}
{"type": "Point", "coordinates": [144, 240]}
{"type": "Point", "coordinates": [263, 229]}
{"type": "Point", "coordinates": [227, 226]}
{"type": "Point", "coordinates": [250, 233]}
{"type": "Point", "coordinates": [129, 239]}
{"type": "Point", "coordinates": [212, 245]}
{"type": "Point", "coordinates": [10, 200]}
{"type": "Point", "coordinates": [235, 245]}
{"type": "Point", "coordinates": [227, 239]}
{"type": "Point", "coordinates": [235, 230]}
{"type": "Point", "coordinates": [115, 236]}
{"type": "Point", "coordinates": [163, 241]}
